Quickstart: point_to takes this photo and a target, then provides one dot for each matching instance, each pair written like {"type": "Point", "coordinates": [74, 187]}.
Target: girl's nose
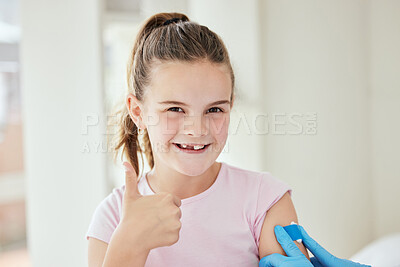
{"type": "Point", "coordinates": [195, 125]}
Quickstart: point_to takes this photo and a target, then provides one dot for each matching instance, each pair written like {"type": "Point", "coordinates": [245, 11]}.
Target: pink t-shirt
{"type": "Point", "coordinates": [220, 226]}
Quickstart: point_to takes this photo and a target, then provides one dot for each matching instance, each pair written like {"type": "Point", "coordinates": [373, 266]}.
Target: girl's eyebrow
{"type": "Point", "coordinates": [172, 102]}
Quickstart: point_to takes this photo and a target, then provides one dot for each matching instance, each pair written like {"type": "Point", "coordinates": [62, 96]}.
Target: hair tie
{"type": "Point", "coordinates": [171, 21]}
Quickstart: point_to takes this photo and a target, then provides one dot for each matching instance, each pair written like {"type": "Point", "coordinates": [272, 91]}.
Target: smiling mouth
{"type": "Point", "coordinates": [197, 147]}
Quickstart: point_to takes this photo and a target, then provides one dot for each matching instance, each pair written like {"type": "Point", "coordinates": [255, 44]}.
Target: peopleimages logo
{"type": "Point", "coordinates": [278, 123]}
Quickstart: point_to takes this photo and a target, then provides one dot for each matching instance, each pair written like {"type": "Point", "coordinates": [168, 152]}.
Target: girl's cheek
{"type": "Point", "coordinates": [169, 125]}
{"type": "Point", "coordinates": [219, 125]}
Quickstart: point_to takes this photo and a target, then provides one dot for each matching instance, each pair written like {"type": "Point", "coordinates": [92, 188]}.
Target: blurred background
{"type": "Point", "coordinates": [318, 106]}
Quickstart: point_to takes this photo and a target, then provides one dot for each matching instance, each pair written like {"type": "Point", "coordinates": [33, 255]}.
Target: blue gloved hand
{"type": "Point", "coordinates": [296, 258]}
{"type": "Point", "coordinates": [322, 257]}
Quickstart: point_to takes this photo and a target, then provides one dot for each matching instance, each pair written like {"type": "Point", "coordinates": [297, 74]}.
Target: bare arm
{"type": "Point", "coordinates": [101, 254]}
{"type": "Point", "coordinates": [282, 213]}
{"type": "Point", "coordinates": [120, 254]}
{"type": "Point", "coordinates": [96, 252]}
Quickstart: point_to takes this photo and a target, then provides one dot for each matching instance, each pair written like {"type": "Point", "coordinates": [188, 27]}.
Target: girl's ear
{"type": "Point", "coordinates": [135, 110]}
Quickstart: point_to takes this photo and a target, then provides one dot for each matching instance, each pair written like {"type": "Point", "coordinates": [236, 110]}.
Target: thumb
{"type": "Point", "coordinates": [131, 187]}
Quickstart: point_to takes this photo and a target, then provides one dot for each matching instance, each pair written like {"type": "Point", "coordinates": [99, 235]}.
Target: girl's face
{"type": "Point", "coordinates": [187, 104]}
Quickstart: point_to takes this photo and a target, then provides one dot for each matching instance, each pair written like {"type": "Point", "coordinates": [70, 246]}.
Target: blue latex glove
{"type": "Point", "coordinates": [322, 256]}
{"type": "Point", "coordinates": [296, 258]}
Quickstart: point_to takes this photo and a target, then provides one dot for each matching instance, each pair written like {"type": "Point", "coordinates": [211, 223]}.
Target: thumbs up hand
{"type": "Point", "coordinates": [148, 221]}
{"type": "Point", "coordinates": [131, 187]}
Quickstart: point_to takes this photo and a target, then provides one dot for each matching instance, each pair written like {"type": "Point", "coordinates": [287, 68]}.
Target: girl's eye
{"type": "Point", "coordinates": [175, 109]}
{"type": "Point", "coordinates": [215, 109]}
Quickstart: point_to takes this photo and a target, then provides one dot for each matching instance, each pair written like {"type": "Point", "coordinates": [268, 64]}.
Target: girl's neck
{"type": "Point", "coordinates": [164, 179]}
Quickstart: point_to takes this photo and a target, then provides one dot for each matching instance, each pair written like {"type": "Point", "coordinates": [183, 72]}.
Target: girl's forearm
{"type": "Point", "coordinates": [124, 257]}
{"type": "Point", "coordinates": [121, 253]}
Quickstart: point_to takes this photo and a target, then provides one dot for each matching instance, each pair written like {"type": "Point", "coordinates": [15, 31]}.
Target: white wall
{"type": "Point", "coordinates": [315, 55]}
{"type": "Point", "coordinates": [384, 114]}
{"type": "Point", "coordinates": [61, 84]}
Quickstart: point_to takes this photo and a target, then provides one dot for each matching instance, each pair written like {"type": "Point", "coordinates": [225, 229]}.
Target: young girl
{"type": "Point", "coordinates": [189, 209]}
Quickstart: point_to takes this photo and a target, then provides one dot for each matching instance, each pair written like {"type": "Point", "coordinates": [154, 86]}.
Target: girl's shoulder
{"type": "Point", "coordinates": [240, 170]}
{"type": "Point", "coordinates": [247, 174]}
{"type": "Point", "coordinates": [262, 181]}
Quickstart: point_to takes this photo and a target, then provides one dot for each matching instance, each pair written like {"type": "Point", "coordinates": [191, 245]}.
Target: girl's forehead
{"type": "Point", "coordinates": [188, 80]}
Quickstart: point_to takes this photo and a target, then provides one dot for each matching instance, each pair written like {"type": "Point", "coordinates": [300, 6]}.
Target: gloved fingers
{"type": "Point", "coordinates": [286, 242]}
{"type": "Point", "coordinates": [310, 243]}
{"type": "Point", "coordinates": [315, 262]}
{"type": "Point", "coordinates": [272, 260]}
{"type": "Point", "coordinates": [319, 252]}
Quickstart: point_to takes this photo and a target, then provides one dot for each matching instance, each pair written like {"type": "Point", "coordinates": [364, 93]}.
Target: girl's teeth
{"type": "Point", "coordinates": [192, 147]}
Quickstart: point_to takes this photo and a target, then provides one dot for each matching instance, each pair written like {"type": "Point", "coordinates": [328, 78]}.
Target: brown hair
{"type": "Point", "coordinates": [180, 40]}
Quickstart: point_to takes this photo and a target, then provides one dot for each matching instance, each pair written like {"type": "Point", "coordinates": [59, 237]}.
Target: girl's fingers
{"type": "Point", "coordinates": [131, 187]}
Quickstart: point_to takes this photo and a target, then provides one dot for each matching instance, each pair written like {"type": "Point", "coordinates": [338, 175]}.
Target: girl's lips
{"type": "Point", "coordinates": [192, 151]}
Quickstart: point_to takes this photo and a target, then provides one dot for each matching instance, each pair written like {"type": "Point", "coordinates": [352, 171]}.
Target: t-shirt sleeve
{"type": "Point", "coordinates": [106, 217]}
{"type": "Point", "coordinates": [270, 191]}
